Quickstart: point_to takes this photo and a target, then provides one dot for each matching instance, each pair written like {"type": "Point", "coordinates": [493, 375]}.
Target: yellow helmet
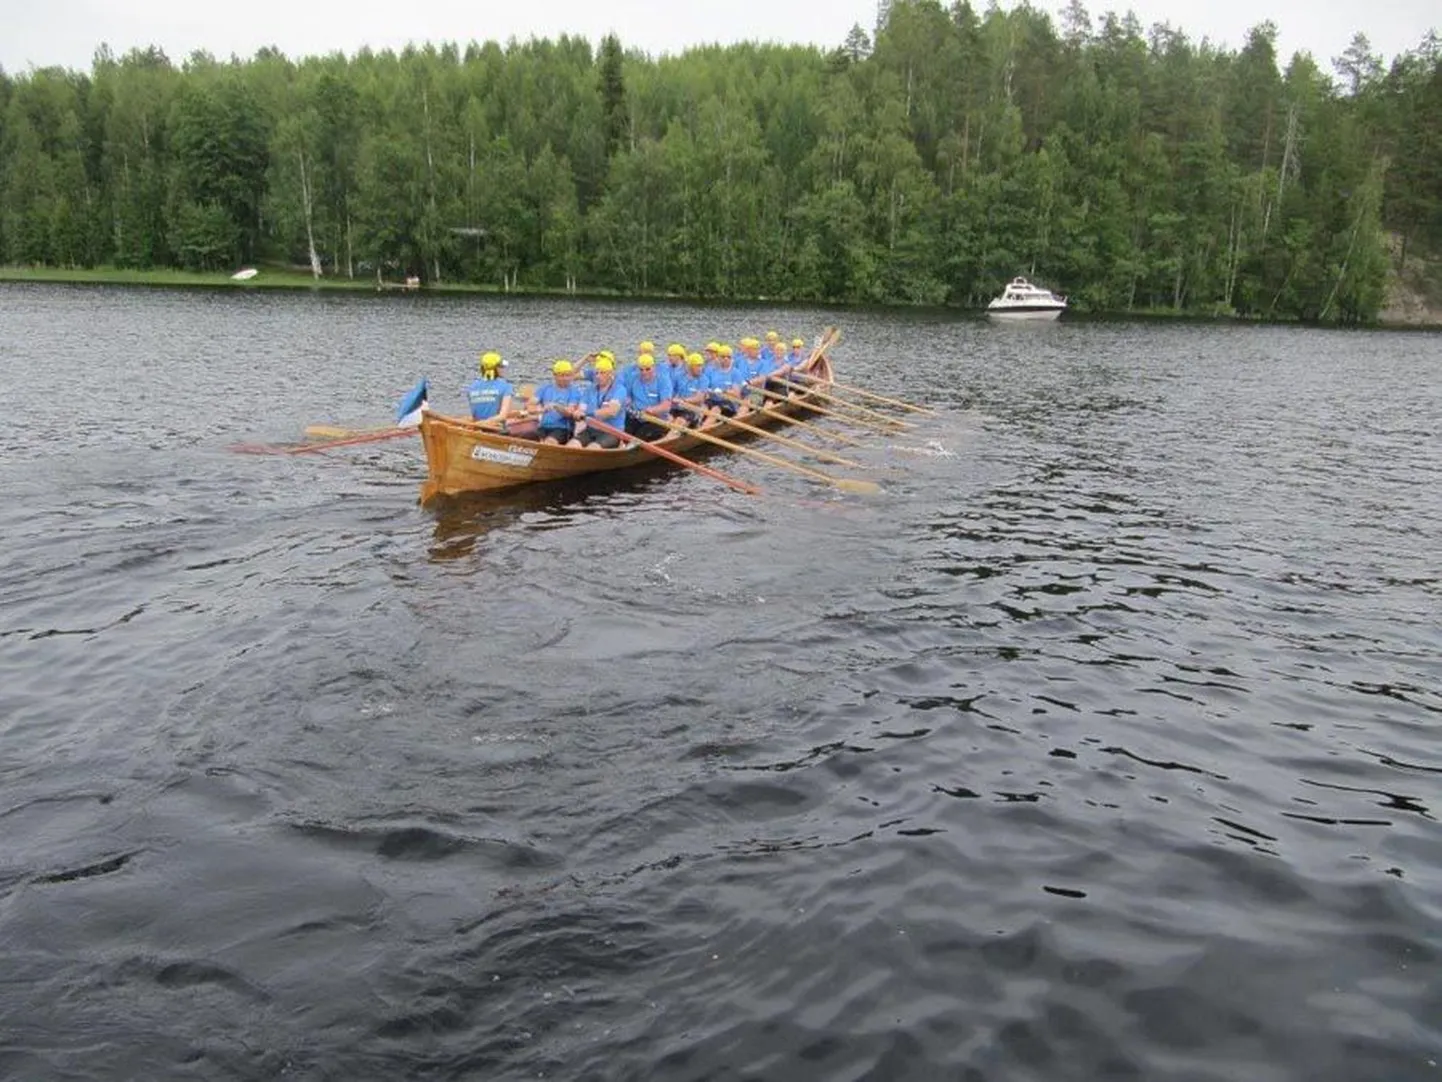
{"type": "Point", "coordinates": [798, 343]}
{"type": "Point", "coordinates": [645, 361]}
{"type": "Point", "coordinates": [695, 360]}
{"type": "Point", "coordinates": [605, 364]}
{"type": "Point", "coordinates": [491, 362]}
{"type": "Point", "coordinates": [648, 347]}
{"type": "Point", "coordinates": [607, 354]}
{"type": "Point", "coordinates": [562, 368]}
{"type": "Point", "coordinates": [675, 349]}
{"type": "Point", "coordinates": [713, 347]}
{"type": "Point", "coordinates": [772, 336]}
{"type": "Point", "coordinates": [725, 350]}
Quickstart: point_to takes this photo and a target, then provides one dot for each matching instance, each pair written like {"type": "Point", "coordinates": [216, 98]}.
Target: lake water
{"type": "Point", "coordinates": [1104, 744]}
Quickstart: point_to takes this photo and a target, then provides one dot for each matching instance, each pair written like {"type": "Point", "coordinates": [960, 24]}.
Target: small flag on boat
{"type": "Point", "coordinates": [408, 413]}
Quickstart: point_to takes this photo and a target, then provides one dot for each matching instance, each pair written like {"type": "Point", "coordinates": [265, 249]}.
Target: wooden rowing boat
{"type": "Point", "coordinates": [466, 456]}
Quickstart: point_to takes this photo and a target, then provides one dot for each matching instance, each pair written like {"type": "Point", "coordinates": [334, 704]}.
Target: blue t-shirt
{"type": "Point", "coordinates": [598, 398]}
{"type": "Point", "coordinates": [725, 379]}
{"type": "Point", "coordinates": [486, 396]}
{"type": "Point", "coordinates": [646, 393]}
{"type": "Point", "coordinates": [764, 364]}
{"type": "Point", "coordinates": [685, 385]}
{"type": "Point", "coordinates": [550, 394]}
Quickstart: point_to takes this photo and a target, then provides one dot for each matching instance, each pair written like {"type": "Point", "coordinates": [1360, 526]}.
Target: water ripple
{"type": "Point", "coordinates": [1099, 746]}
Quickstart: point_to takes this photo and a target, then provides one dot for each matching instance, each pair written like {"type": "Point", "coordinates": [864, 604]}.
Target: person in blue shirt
{"type": "Point", "coordinates": [490, 396]}
{"type": "Point", "coordinates": [650, 390]}
{"type": "Point", "coordinates": [760, 362]}
{"type": "Point", "coordinates": [724, 380]}
{"type": "Point", "coordinates": [675, 361]}
{"type": "Point", "coordinates": [797, 356]}
{"type": "Point", "coordinates": [605, 402]}
{"type": "Point", "coordinates": [741, 359]}
{"type": "Point", "coordinates": [688, 391]}
{"type": "Point", "coordinates": [627, 372]}
{"type": "Point", "coordinates": [794, 360]}
{"type": "Point", "coordinates": [773, 349]}
{"type": "Point", "coordinates": [765, 363]}
{"type": "Point", "coordinates": [753, 362]}
{"type": "Point", "coordinates": [561, 403]}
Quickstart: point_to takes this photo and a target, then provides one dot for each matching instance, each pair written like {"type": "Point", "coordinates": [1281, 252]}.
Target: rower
{"type": "Point", "coordinates": [490, 395]}
{"type": "Point", "coordinates": [650, 389]}
{"type": "Point", "coordinates": [774, 349]}
{"type": "Point", "coordinates": [759, 361]}
{"type": "Point", "coordinates": [795, 359]}
{"type": "Point", "coordinates": [724, 380]}
{"type": "Point", "coordinates": [605, 402]}
{"type": "Point", "coordinates": [562, 405]}
{"type": "Point", "coordinates": [797, 356]}
{"type": "Point", "coordinates": [675, 361]}
{"type": "Point", "coordinates": [688, 391]}
{"type": "Point", "coordinates": [741, 361]}
{"type": "Point", "coordinates": [754, 362]}
{"type": "Point", "coordinates": [763, 363]}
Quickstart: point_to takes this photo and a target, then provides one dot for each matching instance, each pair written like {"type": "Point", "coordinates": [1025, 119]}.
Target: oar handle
{"type": "Point", "coordinates": [666, 453]}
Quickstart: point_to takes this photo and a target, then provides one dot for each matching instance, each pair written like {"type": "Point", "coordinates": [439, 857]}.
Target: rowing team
{"type": "Point", "coordinates": [692, 388]}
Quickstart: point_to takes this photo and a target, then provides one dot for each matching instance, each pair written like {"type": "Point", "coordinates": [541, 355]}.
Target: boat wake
{"type": "Point", "coordinates": [929, 449]}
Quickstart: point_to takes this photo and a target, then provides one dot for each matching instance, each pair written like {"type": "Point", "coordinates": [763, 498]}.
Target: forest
{"type": "Point", "coordinates": [925, 162]}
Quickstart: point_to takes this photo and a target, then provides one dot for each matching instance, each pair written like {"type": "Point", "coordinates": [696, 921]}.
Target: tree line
{"type": "Point", "coordinates": [925, 163]}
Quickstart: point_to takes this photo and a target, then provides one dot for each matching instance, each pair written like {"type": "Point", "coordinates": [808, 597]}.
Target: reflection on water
{"type": "Point", "coordinates": [1099, 745]}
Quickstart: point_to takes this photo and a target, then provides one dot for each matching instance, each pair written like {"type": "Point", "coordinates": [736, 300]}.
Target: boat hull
{"type": "Point", "coordinates": [464, 456]}
{"type": "Point", "coordinates": [1010, 315]}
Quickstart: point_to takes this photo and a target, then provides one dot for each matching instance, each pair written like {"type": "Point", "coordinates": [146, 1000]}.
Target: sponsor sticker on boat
{"type": "Point", "coordinates": [514, 455]}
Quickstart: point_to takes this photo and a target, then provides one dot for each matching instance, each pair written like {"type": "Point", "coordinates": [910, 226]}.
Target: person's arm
{"type": "Point", "coordinates": [614, 411]}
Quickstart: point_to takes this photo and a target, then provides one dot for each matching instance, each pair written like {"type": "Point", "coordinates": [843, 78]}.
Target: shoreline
{"type": "Point", "coordinates": [299, 280]}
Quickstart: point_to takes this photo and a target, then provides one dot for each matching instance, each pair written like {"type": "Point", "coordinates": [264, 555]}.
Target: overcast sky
{"type": "Point", "coordinates": [66, 32]}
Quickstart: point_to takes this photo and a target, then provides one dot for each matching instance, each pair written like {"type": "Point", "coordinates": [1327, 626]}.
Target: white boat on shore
{"type": "Point", "coordinates": [1022, 300]}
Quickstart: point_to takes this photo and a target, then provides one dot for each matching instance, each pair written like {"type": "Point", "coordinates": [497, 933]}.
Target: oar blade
{"type": "Point", "coordinates": [857, 487]}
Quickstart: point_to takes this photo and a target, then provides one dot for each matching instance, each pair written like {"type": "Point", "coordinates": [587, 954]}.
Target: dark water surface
{"type": "Point", "coordinates": [1103, 745]}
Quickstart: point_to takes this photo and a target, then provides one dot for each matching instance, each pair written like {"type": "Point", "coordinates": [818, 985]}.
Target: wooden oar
{"type": "Point", "coordinates": [825, 456]}
{"type": "Point", "coordinates": [311, 448]}
{"type": "Point", "coordinates": [846, 484]}
{"type": "Point", "coordinates": [889, 430]}
{"type": "Point", "coordinates": [860, 411]}
{"type": "Point", "coordinates": [899, 403]}
{"type": "Point", "coordinates": [369, 437]}
{"type": "Point", "coordinates": [336, 432]}
{"type": "Point", "coordinates": [663, 452]}
{"type": "Point", "coordinates": [812, 426]}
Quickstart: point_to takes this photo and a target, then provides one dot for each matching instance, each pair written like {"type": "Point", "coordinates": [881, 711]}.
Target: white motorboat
{"type": "Point", "coordinates": [1022, 300]}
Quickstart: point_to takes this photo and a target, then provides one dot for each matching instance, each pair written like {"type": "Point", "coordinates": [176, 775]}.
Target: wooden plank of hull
{"type": "Point", "coordinates": [462, 457]}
